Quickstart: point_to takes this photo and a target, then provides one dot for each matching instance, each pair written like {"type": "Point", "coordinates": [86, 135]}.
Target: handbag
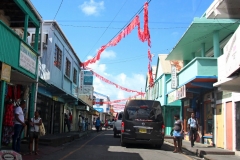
{"type": "Point", "coordinates": [42, 131]}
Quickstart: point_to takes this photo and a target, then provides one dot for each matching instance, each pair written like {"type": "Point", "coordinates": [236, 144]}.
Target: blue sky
{"type": "Point", "coordinates": [89, 24]}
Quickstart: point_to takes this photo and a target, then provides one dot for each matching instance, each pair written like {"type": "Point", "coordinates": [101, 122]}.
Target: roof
{"type": "Point", "coordinates": [223, 9]}
{"type": "Point", "coordinates": [201, 31]}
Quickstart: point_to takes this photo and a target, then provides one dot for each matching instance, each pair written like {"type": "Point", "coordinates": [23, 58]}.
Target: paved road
{"type": "Point", "coordinates": [104, 146]}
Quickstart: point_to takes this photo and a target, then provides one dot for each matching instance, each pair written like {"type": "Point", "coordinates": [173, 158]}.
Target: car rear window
{"type": "Point", "coordinates": [143, 110]}
{"type": "Point", "coordinates": [120, 116]}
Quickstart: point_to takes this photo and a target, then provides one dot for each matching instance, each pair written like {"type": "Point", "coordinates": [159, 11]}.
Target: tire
{"type": "Point", "coordinates": [114, 133]}
{"type": "Point", "coordinates": [123, 144]}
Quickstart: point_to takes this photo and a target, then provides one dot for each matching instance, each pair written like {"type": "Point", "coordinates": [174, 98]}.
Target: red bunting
{"type": "Point", "coordinates": [143, 36]}
{"type": "Point", "coordinates": [151, 80]}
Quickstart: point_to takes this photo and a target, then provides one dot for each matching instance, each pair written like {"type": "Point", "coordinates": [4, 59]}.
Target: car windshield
{"type": "Point", "coordinates": [144, 111]}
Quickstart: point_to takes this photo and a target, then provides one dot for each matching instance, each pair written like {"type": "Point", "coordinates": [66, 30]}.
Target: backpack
{"type": "Point", "coordinates": [42, 131]}
{"type": "Point", "coordinates": [195, 120]}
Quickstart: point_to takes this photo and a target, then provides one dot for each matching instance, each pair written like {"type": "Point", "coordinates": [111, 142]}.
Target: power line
{"type": "Point", "coordinates": [106, 28]}
{"type": "Point", "coordinates": [58, 9]}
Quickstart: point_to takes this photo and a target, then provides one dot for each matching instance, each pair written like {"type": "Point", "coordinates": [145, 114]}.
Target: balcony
{"type": "Point", "coordinates": [200, 72]}
{"type": "Point", "coordinates": [12, 46]}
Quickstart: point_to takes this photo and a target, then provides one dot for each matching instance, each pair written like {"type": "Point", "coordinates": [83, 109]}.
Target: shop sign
{"type": "Point", "coordinates": [6, 72]}
{"type": "Point", "coordinates": [174, 80]}
{"type": "Point", "coordinates": [189, 109]}
{"type": "Point", "coordinates": [87, 108]}
{"type": "Point", "coordinates": [28, 58]}
{"type": "Point", "coordinates": [55, 98]}
{"type": "Point", "coordinates": [181, 92]}
{"type": "Point", "coordinates": [172, 96]}
{"type": "Point", "coordinates": [81, 107]}
{"type": "Point", "coordinates": [232, 53]}
{"type": "Point", "coordinates": [99, 109]}
{"type": "Point", "coordinates": [86, 83]}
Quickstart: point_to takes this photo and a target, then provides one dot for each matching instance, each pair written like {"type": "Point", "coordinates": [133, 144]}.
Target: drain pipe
{"type": "Point", "coordinates": [38, 66]}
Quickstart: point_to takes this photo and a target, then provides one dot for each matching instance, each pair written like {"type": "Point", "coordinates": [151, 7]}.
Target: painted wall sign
{"type": "Point", "coordinates": [6, 72]}
{"type": "Point", "coordinates": [172, 96]}
{"type": "Point", "coordinates": [27, 59]}
{"type": "Point", "coordinates": [174, 80]}
{"type": "Point", "coordinates": [86, 83]}
{"type": "Point", "coordinates": [232, 53]}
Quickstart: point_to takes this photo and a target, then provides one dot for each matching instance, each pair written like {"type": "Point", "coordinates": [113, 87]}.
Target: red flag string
{"type": "Point", "coordinates": [116, 85]}
{"type": "Point", "coordinates": [143, 36]}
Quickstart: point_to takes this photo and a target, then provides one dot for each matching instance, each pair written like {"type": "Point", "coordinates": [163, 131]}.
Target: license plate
{"type": "Point", "coordinates": [142, 130]}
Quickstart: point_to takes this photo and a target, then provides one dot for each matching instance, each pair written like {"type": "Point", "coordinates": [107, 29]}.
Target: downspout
{"type": "Point", "coordinates": [39, 57]}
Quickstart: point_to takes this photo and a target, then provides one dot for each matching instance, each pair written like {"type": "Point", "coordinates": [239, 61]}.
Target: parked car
{"type": "Point", "coordinates": [117, 124]}
{"type": "Point", "coordinates": [142, 122]}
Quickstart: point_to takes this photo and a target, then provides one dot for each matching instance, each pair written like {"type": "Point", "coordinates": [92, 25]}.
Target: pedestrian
{"type": "Point", "coordinates": [97, 124]}
{"type": "Point", "coordinates": [79, 123]}
{"type": "Point", "coordinates": [86, 124]}
{"type": "Point", "coordinates": [106, 124]}
{"type": "Point", "coordinates": [178, 134]}
{"type": "Point", "coordinates": [193, 128]}
{"type": "Point", "coordinates": [34, 131]}
{"type": "Point", "coordinates": [70, 120]}
{"type": "Point", "coordinates": [66, 121]}
{"type": "Point", "coordinates": [83, 123]}
{"type": "Point", "coordinates": [19, 125]}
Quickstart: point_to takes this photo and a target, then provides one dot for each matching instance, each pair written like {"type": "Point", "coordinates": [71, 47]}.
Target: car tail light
{"type": "Point", "coordinates": [163, 129]}
{"type": "Point", "coordinates": [122, 127]}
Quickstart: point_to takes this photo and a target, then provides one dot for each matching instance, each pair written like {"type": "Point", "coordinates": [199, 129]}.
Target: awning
{"type": "Point", "coordinates": [229, 84]}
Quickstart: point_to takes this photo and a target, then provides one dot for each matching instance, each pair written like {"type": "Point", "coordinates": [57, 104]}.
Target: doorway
{"type": "Point", "coordinates": [220, 125]}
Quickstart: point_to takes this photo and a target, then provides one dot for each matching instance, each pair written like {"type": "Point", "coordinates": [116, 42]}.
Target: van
{"type": "Point", "coordinates": [117, 124]}
{"type": "Point", "coordinates": [142, 123]}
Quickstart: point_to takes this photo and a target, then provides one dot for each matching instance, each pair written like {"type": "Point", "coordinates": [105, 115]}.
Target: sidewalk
{"type": "Point", "coordinates": [49, 144]}
{"type": "Point", "coordinates": [206, 151]}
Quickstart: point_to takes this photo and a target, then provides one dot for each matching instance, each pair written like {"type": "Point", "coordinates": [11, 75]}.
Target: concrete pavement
{"type": "Point", "coordinates": [206, 151]}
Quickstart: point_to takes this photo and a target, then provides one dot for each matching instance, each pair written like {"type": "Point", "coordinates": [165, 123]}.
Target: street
{"type": "Point", "coordinates": [103, 145]}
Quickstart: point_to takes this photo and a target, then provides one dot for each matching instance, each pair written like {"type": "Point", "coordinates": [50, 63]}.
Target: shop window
{"type": "Point", "coordinates": [58, 57]}
{"type": "Point", "coordinates": [68, 67]}
{"type": "Point", "coordinates": [75, 76]}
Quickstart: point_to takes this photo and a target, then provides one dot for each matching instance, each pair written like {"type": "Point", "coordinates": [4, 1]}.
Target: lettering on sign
{"type": "Point", "coordinates": [174, 79]}
{"type": "Point", "coordinates": [6, 72]}
{"type": "Point", "coordinates": [27, 59]}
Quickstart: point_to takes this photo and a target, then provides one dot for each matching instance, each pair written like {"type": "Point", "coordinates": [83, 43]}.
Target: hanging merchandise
{"type": "Point", "coordinates": [143, 36]}
{"type": "Point", "coordinates": [8, 123]}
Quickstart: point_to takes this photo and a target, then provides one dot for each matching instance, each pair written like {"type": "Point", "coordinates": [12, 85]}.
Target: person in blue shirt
{"type": "Point", "coordinates": [193, 128]}
{"type": "Point", "coordinates": [97, 124]}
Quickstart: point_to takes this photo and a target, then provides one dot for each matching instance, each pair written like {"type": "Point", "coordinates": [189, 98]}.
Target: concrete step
{"type": "Point", "coordinates": [221, 157]}
{"type": "Point", "coordinates": [203, 152]}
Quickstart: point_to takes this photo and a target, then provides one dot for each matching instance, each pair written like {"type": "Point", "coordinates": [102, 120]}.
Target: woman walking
{"type": "Point", "coordinates": [178, 134]}
{"type": "Point", "coordinates": [34, 132]}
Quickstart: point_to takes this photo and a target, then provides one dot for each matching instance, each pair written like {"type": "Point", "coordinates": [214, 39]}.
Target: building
{"type": "Point", "coordinates": [101, 105]}
{"type": "Point", "coordinates": [18, 61]}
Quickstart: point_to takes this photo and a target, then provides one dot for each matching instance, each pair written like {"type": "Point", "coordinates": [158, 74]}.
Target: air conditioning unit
{"type": "Point", "coordinates": [44, 40]}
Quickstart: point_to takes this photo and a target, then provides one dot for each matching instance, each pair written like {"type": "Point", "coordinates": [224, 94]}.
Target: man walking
{"type": "Point", "coordinates": [19, 124]}
{"type": "Point", "coordinates": [193, 128]}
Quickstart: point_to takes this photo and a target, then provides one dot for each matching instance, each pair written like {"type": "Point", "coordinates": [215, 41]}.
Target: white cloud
{"type": "Point", "coordinates": [108, 54]}
{"type": "Point", "coordinates": [91, 7]}
{"type": "Point", "coordinates": [130, 81]}
{"type": "Point", "coordinates": [175, 33]}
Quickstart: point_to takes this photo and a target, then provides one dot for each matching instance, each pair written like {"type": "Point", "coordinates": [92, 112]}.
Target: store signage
{"type": "Point", "coordinates": [172, 96]}
{"type": "Point", "coordinates": [232, 53]}
{"type": "Point", "coordinates": [189, 109]}
{"type": "Point", "coordinates": [6, 72]}
{"type": "Point", "coordinates": [174, 80]}
{"type": "Point", "coordinates": [181, 92]}
{"type": "Point", "coordinates": [86, 83]}
{"type": "Point", "coordinates": [87, 108]}
{"type": "Point", "coordinates": [28, 58]}
{"type": "Point", "coordinates": [99, 109]}
{"type": "Point", "coordinates": [81, 107]}
{"type": "Point", "coordinates": [55, 98]}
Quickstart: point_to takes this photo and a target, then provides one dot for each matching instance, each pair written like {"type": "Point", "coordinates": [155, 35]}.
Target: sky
{"type": "Point", "coordinates": [89, 24]}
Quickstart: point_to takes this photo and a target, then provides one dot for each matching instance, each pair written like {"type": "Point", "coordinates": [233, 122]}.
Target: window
{"type": "Point", "coordinates": [75, 76]}
{"type": "Point", "coordinates": [208, 118]}
{"type": "Point", "coordinates": [68, 67]}
{"type": "Point", "coordinates": [58, 57]}
{"type": "Point", "coordinates": [101, 102]}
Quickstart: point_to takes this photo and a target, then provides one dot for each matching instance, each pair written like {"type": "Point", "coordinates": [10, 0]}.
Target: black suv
{"type": "Point", "coordinates": [142, 122]}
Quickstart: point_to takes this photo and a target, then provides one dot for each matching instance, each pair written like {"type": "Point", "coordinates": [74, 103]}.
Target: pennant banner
{"type": "Point", "coordinates": [143, 36]}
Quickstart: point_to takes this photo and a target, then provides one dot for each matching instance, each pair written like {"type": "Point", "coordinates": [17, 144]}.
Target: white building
{"type": "Point", "coordinates": [101, 105]}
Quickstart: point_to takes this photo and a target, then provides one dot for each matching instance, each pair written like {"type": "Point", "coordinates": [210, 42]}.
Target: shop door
{"type": "Point", "coordinates": [56, 119]}
{"type": "Point", "coordinates": [220, 126]}
{"type": "Point", "coordinates": [229, 128]}
{"type": "Point", "coordinates": [238, 126]}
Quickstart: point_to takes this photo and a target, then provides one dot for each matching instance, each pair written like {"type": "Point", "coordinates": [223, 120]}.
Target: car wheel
{"type": "Point", "coordinates": [123, 144]}
{"type": "Point", "coordinates": [115, 134]}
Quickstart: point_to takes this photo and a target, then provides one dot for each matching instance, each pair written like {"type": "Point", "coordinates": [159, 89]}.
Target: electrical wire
{"type": "Point", "coordinates": [139, 11]}
{"type": "Point", "coordinates": [106, 28]}
{"type": "Point", "coordinates": [58, 9]}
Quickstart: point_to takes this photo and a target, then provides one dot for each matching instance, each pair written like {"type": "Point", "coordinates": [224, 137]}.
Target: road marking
{"type": "Point", "coordinates": [81, 146]}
